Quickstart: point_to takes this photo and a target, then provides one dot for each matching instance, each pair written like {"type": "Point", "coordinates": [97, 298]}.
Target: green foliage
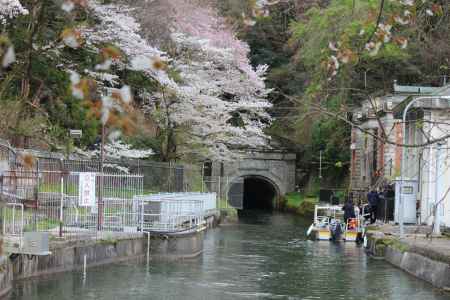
{"type": "Point", "coordinates": [233, 9]}
{"type": "Point", "coordinates": [138, 80]}
{"type": "Point", "coordinates": [301, 203]}
{"type": "Point", "coordinates": [294, 199]}
{"type": "Point", "coordinates": [331, 136]}
{"type": "Point", "coordinates": [382, 244]}
{"type": "Point", "coordinates": [306, 208]}
{"type": "Point", "coordinates": [49, 105]}
{"type": "Point", "coordinates": [299, 58]}
{"type": "Point", "coordinates": [175, 75]}
{"type": "Point", "coordinates": [64, 111]}
{"type": "Point", "coordinates": [236, 120]}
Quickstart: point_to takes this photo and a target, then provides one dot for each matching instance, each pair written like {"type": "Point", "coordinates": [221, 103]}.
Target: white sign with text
{"type": "Point", "coordinates": [87, 189]}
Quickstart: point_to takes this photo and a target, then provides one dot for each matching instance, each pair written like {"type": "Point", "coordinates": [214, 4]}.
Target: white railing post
{"type": "Point", "coordinates": [61, 208]}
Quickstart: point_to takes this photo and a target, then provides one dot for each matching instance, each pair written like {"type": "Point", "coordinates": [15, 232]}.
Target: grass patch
{"type": "Point", "coordinates": [301, 203]}
{"type": "Point", "coordinates": [372, 228]}
{"type": "Point", "coordinates": [307, 207]}
{"type": "Point", "coordinates": [42, 225]}
{"type": "Point", "coordinates": [381, 244]}
{"type": "Point", "coordinates": [229, 215]}
{"type": "Point", "coordinates": [108, 190]}
{"type": "Point", "coordinates": [294, 199]}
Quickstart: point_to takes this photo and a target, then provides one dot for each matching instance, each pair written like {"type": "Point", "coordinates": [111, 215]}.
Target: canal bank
{"type": "Point", "coordinates": [74, 255]}
{"type": "Point", "coordinates": [264, 256]}
{"type": "Point", "coordinates": [425, 257]}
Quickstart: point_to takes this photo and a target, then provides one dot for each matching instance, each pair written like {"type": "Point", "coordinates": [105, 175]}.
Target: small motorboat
{"type": "Point", "coordinates": [329, 225]}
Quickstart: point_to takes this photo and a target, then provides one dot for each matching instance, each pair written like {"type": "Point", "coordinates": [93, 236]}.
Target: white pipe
{"type": "Point", "coordinates": [22, 225]}
{"type": "Point", "coordinates": [430, 179]}
{"type": "Point", "coordinates": [437, 225]}
{"type": "Point", "coordinates": [148, 247]}
{"type": "Point", "coordinates": [403, 169]}
{"type": "Point", "coordinates": [84, 267]}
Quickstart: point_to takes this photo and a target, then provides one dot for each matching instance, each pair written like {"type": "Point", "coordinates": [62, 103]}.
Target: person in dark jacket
{"type": "Point", "coordinates": [373, 198]}
{"type": "Point", "coordinates": [349, 210]}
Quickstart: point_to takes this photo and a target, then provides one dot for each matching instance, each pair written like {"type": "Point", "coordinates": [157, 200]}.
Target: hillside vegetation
{"type": "Point", "coordinates": [195, 79]}
{"type": "Point", "coordinates": [327, 56]}
{"type": "Point", "coordinates": [167, 76]}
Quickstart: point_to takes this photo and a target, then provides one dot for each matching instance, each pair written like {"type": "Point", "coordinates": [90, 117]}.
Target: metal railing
{"type": "Point", "coordinates": [51, 193]}
{"type": "Point", "coordinates": [176, 212]}
{"type": "Point", "coordinates": [52, 201]}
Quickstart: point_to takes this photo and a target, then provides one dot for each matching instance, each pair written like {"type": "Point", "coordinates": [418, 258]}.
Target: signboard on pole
{"type": "Point", "coordinates": [87, 189]}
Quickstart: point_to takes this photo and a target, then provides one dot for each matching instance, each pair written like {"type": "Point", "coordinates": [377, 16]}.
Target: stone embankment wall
{"type": "Point", "coordinates": [421, 264]}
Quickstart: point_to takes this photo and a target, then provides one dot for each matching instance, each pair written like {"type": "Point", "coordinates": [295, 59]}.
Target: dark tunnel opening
{"type": "Point", "coordinates": [259, 194]}
{"type": "Point", "coordinates": [252, 193]}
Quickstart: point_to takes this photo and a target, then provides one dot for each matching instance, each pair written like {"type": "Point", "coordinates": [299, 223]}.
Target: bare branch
{"type": "Point", "coordinates": [384, 139]}
{"type": "Point", "coordinates": [380, 13]}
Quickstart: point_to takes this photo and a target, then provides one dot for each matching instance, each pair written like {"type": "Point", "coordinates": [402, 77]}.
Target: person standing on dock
{"type": "Point", "coordinates": [373, 198]}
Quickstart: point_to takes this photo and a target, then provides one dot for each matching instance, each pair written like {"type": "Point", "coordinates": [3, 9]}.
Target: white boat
{"type": "Point", "coordinates": [329, 224]}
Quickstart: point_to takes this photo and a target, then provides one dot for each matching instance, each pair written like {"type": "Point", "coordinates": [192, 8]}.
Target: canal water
{"type": "Point", "coordinates": [265, 256]}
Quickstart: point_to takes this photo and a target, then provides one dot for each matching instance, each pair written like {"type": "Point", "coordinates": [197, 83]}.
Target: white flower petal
{"type": "Point", "coordinates": [114, 136]}
{"type": "Point", "coordinates": [74, 77]}
{"type": "Point", "coordinates": [67, 6]}
{"type": "Point", "coordinates": [9, 57]}
{"type": "Point", "coordinates": [106, 65]}
{"type": "Point", "coordinates": [77, 93]}
{"type": "Point", "coordinates": [141, 63]}
{"type": "Point", "coordinates": [71, 41]}
{"type": "Point", "coordinates": [125, 93]}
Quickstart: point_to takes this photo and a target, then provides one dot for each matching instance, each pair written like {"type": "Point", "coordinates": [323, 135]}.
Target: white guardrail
{"type": "Point", "coordinates": [175, 212]}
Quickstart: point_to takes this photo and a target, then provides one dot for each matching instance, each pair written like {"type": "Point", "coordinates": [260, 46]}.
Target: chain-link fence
{"type": "Point", "coordinates": [230, 192]}
{"type": "Point", "coordinates": [77, 198]}
{"type": "Point", "coordinates": [71, 203]}
{"type": "Point", "coordinates": [167, 177]}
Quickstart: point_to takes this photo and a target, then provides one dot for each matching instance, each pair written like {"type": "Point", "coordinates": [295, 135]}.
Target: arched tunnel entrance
{"type": "Point", "coordinates": [254, 192]}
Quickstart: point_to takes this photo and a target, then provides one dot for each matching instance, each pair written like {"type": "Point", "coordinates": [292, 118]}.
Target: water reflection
{"type": "Point", "coordinates": [264, 257]}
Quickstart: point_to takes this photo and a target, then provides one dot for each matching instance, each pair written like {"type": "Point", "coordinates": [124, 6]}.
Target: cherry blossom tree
{"type": "Point", "coordinates": [206, 88]}
{"type": "Point", "coordinates": [10, 9]}
{"type": "Point", "coordinates": [220, 99]}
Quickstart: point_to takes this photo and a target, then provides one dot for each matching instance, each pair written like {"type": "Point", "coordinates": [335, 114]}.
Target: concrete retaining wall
{"type": "Point", "coordinates": [70, 257]}
{"type": "Point", "coordinates": [435, 272]}
{"type": "Point", "coordinates": [6, 276]}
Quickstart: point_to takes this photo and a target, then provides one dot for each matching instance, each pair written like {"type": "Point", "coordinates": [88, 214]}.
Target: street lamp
{"type": "Point", "coordinates": [405, 111]}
